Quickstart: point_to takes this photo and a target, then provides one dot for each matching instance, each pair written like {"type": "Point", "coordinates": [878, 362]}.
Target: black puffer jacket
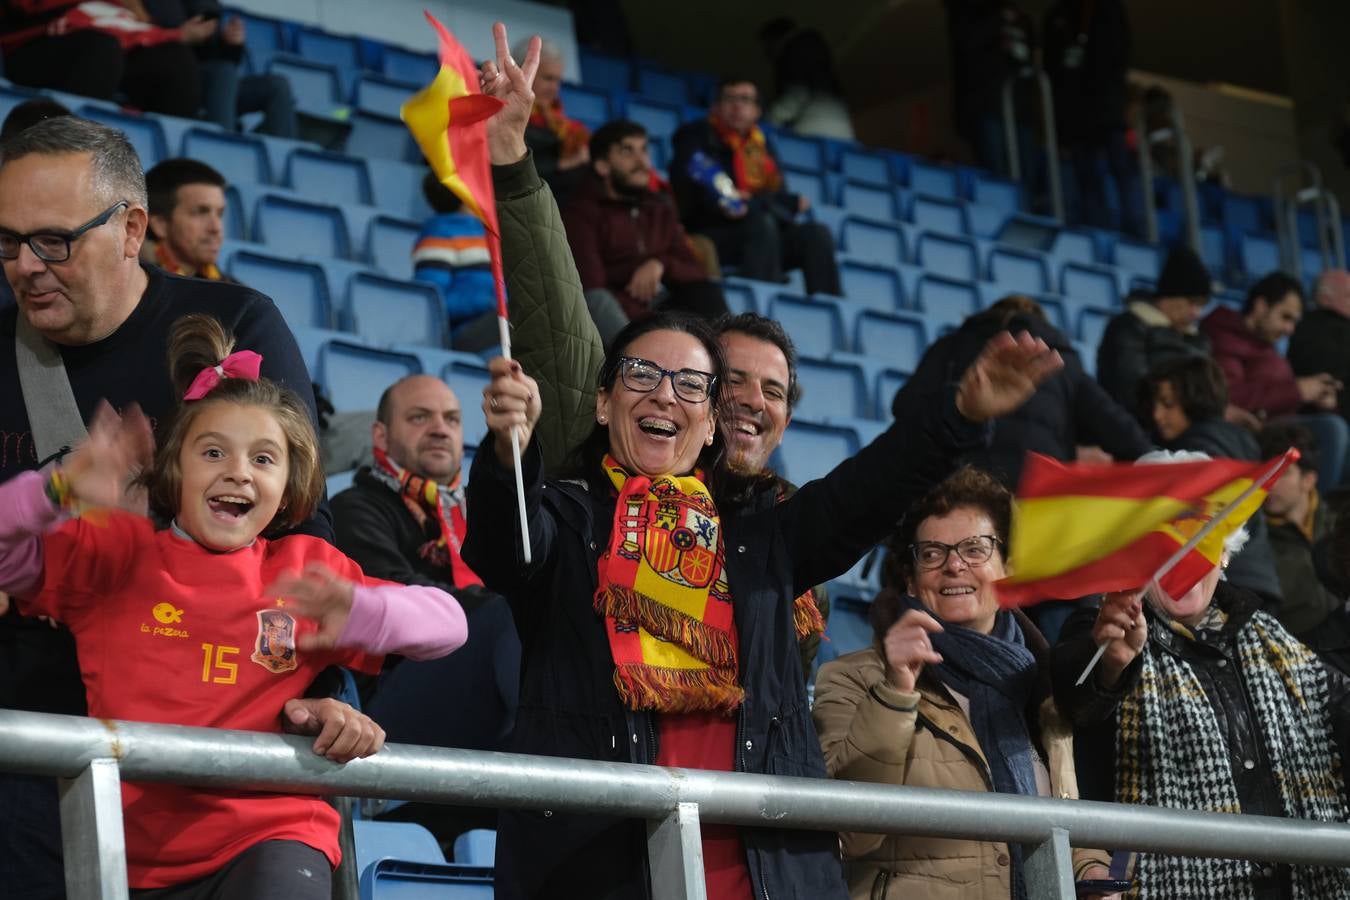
{"type": "Point", "coordinates": [1130, 347]}
{"type": "Point", "coordinates": [1093, 710]}
{"type": "Point", "coordinates": [568, 704]}
{"type": "Point", "coordinates": [1067, 410]}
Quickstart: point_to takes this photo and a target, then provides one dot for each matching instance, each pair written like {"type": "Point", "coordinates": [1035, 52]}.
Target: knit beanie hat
{"type": "Point", "coordinates": [1183, 275]}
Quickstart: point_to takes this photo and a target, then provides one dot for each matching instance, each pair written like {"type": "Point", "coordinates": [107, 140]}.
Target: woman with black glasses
{"type": "Point", "coordinates": [657, 615]}
{"type": "Point", "coordinates": [952, 695]}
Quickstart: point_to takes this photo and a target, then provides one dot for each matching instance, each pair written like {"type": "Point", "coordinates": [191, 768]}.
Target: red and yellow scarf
{"type": "Point", "coordinates": [664, 596]}
{"type": "Point", "coordinates": [165, 259]}
{"type": "Point", "coordinates": [427, 499]}
{"type": "Point", "coordinates": [572, 133]}
{"type": "Point", "coordinates": [753, 166]}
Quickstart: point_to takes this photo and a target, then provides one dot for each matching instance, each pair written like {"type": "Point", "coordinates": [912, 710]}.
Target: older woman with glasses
{"type": "Point", "coordinates": [657, 613]}
{"type": "Point", "coordinates": [951, 695]}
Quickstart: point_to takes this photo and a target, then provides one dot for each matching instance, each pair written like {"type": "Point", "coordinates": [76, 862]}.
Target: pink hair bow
{"type": "Point", "coordinates": [244, 364]}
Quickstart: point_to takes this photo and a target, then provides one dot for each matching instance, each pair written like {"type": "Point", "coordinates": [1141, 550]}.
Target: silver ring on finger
{"type": "Point", "coordinates": [492, 401]}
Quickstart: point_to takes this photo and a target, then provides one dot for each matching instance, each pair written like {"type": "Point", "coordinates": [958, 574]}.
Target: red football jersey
{"type": "Point", "coordinates": [168, 631]}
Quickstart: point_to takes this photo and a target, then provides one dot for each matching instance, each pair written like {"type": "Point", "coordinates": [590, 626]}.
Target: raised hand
{"type": "Point", "coordinates": [317, 593]}
{"type": "Point", "coordinates": [117, 449]}
{"type": "Point", "coordinates": [1005, 375]}
{"type": "Point", "coordinates": [907, 648]}
{"type": "Point", "coordinates": [1121, 627]}
{"type": "Point", "coordinates": [343, 733]}
{"type": "Point", "coordinates": [513, 84]}
{"type": "Point", "coordinates": [510, 400]}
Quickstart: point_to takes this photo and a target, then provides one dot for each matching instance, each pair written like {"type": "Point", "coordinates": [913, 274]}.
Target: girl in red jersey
{"type": "Point", "coordinates": [217, 620]}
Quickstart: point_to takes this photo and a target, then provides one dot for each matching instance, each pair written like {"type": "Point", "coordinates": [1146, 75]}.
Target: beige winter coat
{"type": "Point", "coordinates": [870, 731]}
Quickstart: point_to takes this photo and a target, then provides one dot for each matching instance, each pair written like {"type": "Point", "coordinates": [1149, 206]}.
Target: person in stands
{"type": "Point", "coordinates": [561, 144]}
{"type": "Point", "coordinates": [187, 219]}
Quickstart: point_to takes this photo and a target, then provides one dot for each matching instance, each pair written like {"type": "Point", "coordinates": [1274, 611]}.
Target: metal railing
{"type": "Point", "coordinates": [91, 755]}
{"type": "Point", "coordinates": [1048, 134]}
{"type": "Point", "coordinates": [1307, 190]}
{"type": "Point", "coordinates": [1174, 132]}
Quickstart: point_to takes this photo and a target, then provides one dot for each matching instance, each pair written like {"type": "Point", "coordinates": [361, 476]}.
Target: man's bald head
{"type": "Point", "coordinates": [419, 426]}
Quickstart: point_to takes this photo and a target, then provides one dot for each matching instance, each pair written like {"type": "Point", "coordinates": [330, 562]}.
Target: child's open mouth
{"type": "Point", "coordinates": [229, 505]}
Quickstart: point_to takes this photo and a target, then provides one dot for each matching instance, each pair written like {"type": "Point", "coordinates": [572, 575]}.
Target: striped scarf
{"type": "Point", "coordinates": [430, 500]}
{"type": "Point", "coordinates": [1171, 752]}
{"type": "Point", "coordinates": [165, 259]}
{"type": "Point", "coordinates": [571, 133]}
{"type": "Point", "coordinates": [664, 597]}
{"type": "Point", "coordinates": [752, 165]}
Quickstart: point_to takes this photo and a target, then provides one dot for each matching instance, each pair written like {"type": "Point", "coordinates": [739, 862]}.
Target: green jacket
{"type": "Point", "coordinates": [552, 334]}
{"type": "Point", "coordinates": [1307, 602]}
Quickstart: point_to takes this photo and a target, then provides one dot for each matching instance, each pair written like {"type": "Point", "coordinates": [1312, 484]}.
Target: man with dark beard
{"type": "Point", "coordinates": [631, 252]}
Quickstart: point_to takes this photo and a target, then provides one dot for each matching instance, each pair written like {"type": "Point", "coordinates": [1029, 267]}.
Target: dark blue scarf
{"type": "Point", "coordinates": [996, 673]}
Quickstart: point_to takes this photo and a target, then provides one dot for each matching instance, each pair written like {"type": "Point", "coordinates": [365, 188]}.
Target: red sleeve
{"type": "Point", "coordinates": [1272, 392]}
{"type": "Point", "coordinates": [86, 558]}
{"type": "Point", "coordinates": [580, 221]}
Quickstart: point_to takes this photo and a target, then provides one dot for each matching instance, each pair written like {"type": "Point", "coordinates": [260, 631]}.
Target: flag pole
{"type": "Point", "coordinates": [504, 336]}
{"type": "Point", "coordinates": [1155, 583]}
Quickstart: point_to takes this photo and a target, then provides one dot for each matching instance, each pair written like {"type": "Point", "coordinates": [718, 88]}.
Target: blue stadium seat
{"type": "Point", "coordinates": [872, 241]}
{"type": "Point", "coordinates": [143, 131]}
{"type": "Point", "coordinates": [389, 245]}
{"type": "Point", "coordinates": [740, 298]}
{"type": "Point", "coordinates": [410, 66]}
{"type": "Point", "coordinates": [816, 325]}
{"type": "Point", "coordinates": [1214, 250]}
{"type": "Point", "coordinates": [1056, 313]}
{"type": "Point", "coordinates": [866, 167]}
{"type": "Point", "coordinates": [263, 38]}
{"type": "Point", "coordinates": [355, 374]}
{"type": "Point", "coordinates": [398, 187]}
{"type": "Point", "coordinates": [600, 70]}
{"type": "Point", "coordinates": [468, 381]}
{"type": "Point", "coordinates": [809, 184]}
{"type": "Point", "coordinates": [660, 119]}
{"type": "Point", "coordinates": [987, 221]}
{"type": "Point", "coordinates": [334, 177]}
{"type": "Point", "coordinates": [235, 227]}
{"type": "Point", "coordinates": [436, 360]}
{"type": "Point", "coordinates": [810, 451]}
{"type": "Point", "coordinates": [761, 292]}
{"type": "Point", "coordinates": [241, 158]}
{"type": "Point", "coordinates": [381, 95]}
{"type": "Point", "coordinates": [386, 311]}
{"type": "Point", "coordinates": [947, 301]}
{"type": "Point", "coordinates": [395, 879]}
{"type": "Point", "coordinates": [297, 228]}
{"type": "Point", "coordinates": [1074, 246]}
{"type": "Point", "coordinates": [589, 106]}
{"type": "Point", "coordinates": [311, 341]}
{"type": "Point", "coordinates": [1243, 214]}
{"type": "Point", "coordinates": [951, 257]}
{"type": "Point", "coordinates": [889, 383]}
{"type": "Point", "coordinates": [1092, 321]}
{"type": "Point", "coordinates": [936, 214]}
{"type": "Point", "coordinates": [299, 289]}
{"type": "Point", "coordinates": [1087, 356]}
{"type": "Point", "coordinates": [874, 286]}
{"type": "Point", "coordinates": [1000, 193]}
{"type": "Point", "coordinates": [339, 482]}
{"type": "Point", "coordinates": [1091, 285]}
{"type": "Point", "coordinates": [661, 85]}
{"type": "Point", "coordinates": [340, 51]}
{"type": "Point", "coordinates": [1138, 258]}
{"type": "Point", "coordinates": [830, 390]}
{"type": "Point", "coordinates": [316, 86]}
{"type": "Point", "coordinates": [896, 339]}
{"type": "Point", "coordinates": [868, 201]}
{"type": "Point", "coordinates": [1019, 271]}
{"type": "Point", "coordinates": [380, 137]}
{"type": "Point", "coordinates": [1258, 255]}
{"type": "Point", "coordinates": [933, 179]}
{"type": "Point", "coordinates": [476, 847]}
{"type": "Point", "coordinates": [799, 151]}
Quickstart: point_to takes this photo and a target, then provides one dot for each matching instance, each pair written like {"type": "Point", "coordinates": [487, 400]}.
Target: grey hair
{"type": "Point", "coordinates": [1235, 541]}
{"type": "Point", "coordinates": [116, 167]}
{"type": "Point", "coordinates": [548, 51]}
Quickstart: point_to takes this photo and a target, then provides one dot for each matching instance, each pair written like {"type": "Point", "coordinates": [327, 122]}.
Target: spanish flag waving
{"type": "Point", "coordinates": [447, 119]}
{"type": "Point", "coordinates": [1088, 529]}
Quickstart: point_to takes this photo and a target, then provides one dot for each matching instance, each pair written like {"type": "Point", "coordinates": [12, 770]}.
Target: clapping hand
{"type": "Point", "coordinates": [118, 447]}
{"type": "Point", "coordinates": [316, 593]}
{"type": "Point", "coordinates": [1005, 375]}
{"type": "Point", "coordinates": [513, 84]}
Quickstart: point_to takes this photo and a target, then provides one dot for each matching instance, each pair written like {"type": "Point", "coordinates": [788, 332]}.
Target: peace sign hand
{"type": "Point", "coordinates": [513, 85]}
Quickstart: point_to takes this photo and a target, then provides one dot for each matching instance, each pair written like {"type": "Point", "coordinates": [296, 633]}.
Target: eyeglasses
{"type": "Point", "coordinates": [644, 376]}
{"type": "Point", "coordinates": [52, 246]}
{"type": "Point", "coordinates": [974, 551]}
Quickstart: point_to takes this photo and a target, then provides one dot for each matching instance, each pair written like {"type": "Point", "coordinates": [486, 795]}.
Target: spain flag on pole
{"type": "Point", "coordinates": [447, 119]}
{"type": "Point", "coordinates": [1088, 529]}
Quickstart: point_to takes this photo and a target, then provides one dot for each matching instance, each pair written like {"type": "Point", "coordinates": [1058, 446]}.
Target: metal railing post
{"type": "Point", "coordinates": [1186, 164]}
{"type": "Point", "coordinates": [1175, 132]}
{"type": "Point", "coordinates": [345, 878]}
{"type": "Point", "coordinates": [1308, 191]}
{"type": "Point", "coordinates": [91, 833]}
{"type": "Point", "coordinates": [1048, 867]}
{"type": "Point", "coordinates": [1144, 147]}
{"type": "Point", "coordinates": [675, 855]}
{"type": "Point", "coordinates": [1049, 135]}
